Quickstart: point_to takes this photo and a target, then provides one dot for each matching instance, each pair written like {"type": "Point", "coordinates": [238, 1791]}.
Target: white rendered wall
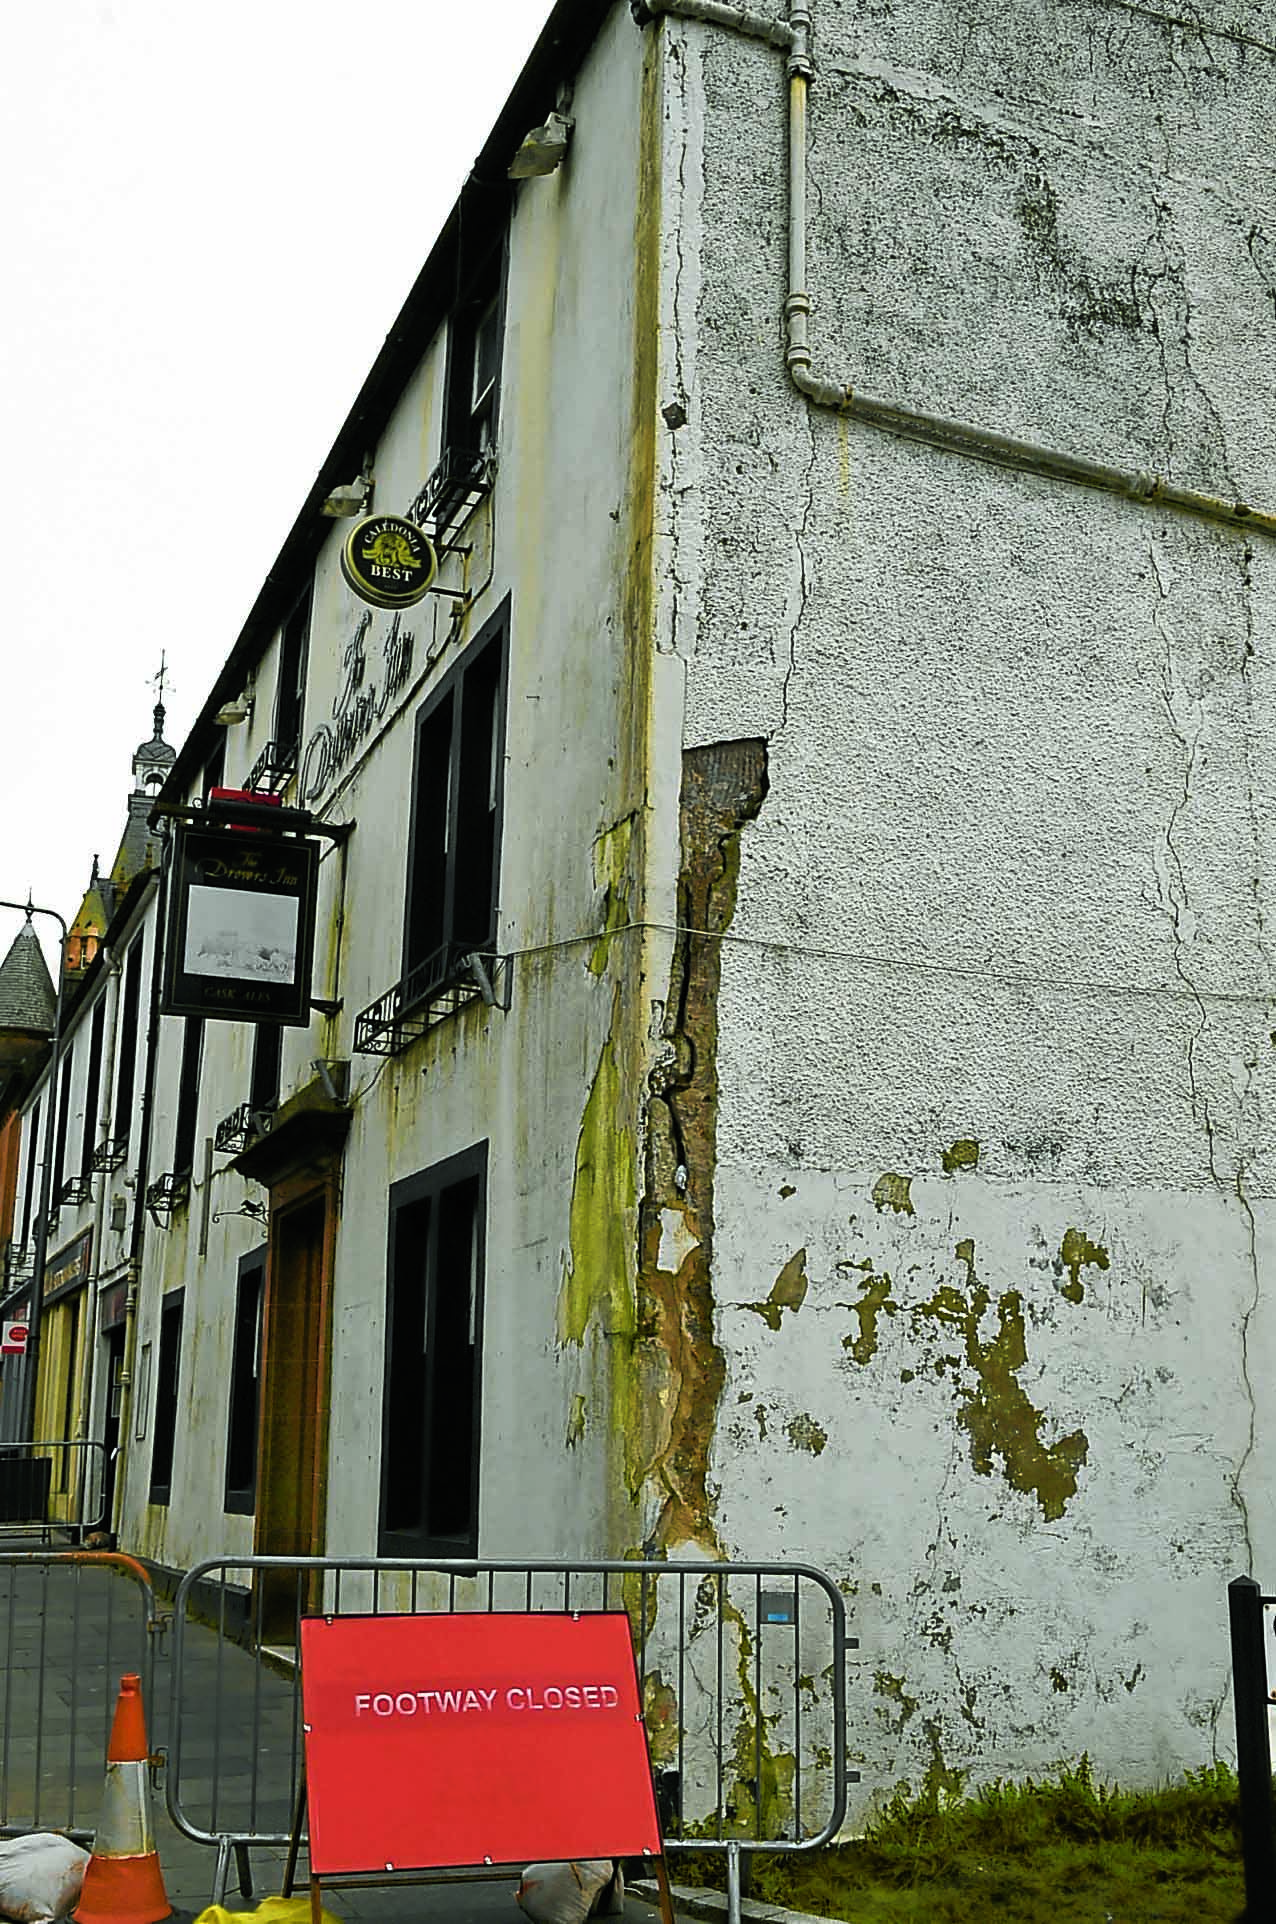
{"type": "Point", "coordinates": [1005, 905]}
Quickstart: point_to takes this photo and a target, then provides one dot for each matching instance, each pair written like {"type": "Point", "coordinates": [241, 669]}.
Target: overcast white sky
{"type": "Point", "coordinates": [183, 327]}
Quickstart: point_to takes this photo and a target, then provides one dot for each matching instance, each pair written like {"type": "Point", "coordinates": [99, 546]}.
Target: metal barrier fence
{"type": "Point", "coordinates": [1251, 1698]}
{"type": "Point", "coordinates": [742, 1668]}
{"type": "Point", "coordinates": [71, 1622]}
{"type": "Point", "coordinates": [52, 1484]}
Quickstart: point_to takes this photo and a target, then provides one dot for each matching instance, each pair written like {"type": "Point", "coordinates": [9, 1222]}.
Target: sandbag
{"type": "Point", "coordinates": [569, 1893]}
{"type": "Point", "coordinates": [271, 1910]}
{"type": "Point", "coordinates": [40, 1876]}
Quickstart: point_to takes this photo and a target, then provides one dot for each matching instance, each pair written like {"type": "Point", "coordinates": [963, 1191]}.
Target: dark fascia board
{"type": "Point", "coordinates": [566, 38]}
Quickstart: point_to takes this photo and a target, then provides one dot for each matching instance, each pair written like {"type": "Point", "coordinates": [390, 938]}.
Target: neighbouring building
{"type": "Point", "coordinates": [792, 1066]}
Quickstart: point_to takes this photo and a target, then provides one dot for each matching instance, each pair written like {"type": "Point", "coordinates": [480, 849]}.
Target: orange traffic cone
{"type": "Point", "coordinates": [123, 1882]}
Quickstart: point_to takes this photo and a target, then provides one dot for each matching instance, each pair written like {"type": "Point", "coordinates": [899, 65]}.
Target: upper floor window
{"type": "Point", "coordinates": [127, 1046]}
{"type": "Point", "coordinates": [474, 353]}
{"type": "Point", "coordinates": [290, 688]}
{"type": "Point", "coordinates": [454, 838]}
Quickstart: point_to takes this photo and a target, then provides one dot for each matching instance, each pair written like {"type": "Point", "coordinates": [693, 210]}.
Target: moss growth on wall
{"type": "Point", "coordinates": [596, 1280]}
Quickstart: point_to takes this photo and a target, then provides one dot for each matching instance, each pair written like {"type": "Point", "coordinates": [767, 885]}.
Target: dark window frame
{"type": "Point", "coordinates": [168, 1376]}
{"type": "Point", "coordinates": [471, 424]}
{"type": "Point", "coordinates": [294, 661]}
{"type": "Point", "coordinates": [33, 1158]}
{"type": "Point", "coordinates": [242, 1413]}
{"type": "Point", "coordinates": [411, 1410]}
{"type": "Point", "coordinates": [186, 1121]}
{"type": "Point", "coordinates": [126, 1071]}
{"type": "Point", "coordinates": [92, 1087]}
{"type": "Point", "coordinates": [63, 1086]}
{"type": "Point", "coordinates": [433, 928]}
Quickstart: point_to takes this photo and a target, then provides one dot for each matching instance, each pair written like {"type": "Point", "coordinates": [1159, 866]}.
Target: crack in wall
{"type": "Point", "coordinates": [1172, 887]}
{"type": "Point", "coordinates": [800, 537]}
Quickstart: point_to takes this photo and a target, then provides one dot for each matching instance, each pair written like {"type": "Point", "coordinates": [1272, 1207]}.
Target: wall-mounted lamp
{"type": "Point", "coordinates": [231, 713]}
{"type": "Point", "coordinates": [543, 149]}
{"type": "Point", "coordinates": [352, 498]}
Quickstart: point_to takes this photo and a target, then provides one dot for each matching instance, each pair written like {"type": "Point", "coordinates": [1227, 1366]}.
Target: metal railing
{"type": "Point", "coordinates": [72, 1622]}
{"type": "Point", "coordinates": [1252, 1701]}
{"type": "Point", "coordinates": [742, 1668]}
{"type": "Point", "coordinates": [52, 1484]}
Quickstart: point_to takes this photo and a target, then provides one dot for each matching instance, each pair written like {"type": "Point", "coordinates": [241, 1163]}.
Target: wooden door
{"type": "Point", "coordinates": [292, 1486]}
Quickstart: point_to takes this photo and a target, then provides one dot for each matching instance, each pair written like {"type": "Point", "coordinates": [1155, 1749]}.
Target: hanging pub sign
{"type": "Point", "coordinates": [241, 925]}
{"type": "Point", "coordinates": [388, 561]}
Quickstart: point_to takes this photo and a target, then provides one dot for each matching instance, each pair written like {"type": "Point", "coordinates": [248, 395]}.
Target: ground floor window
{"type": "Point", "coordinates": [433, 1360]}
{"type": "Point", "coordinates": [167, 1373]}
{"type": "Point", "coordinates": [241, 1428]}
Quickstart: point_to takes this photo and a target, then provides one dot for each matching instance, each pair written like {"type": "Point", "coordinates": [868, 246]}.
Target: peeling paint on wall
{"type": "Point", "coordinates": [723, 786]}
{"type": "Point", "coordinates": [1003, 1426]}
{"type": "Point", "coordinates": [876, 1297]}
{"type": "Point", "coordinates": [891, 1191]}
{"type": "Point", "coordinates": [1075, 1251]}
{"type": "Point", "coordinates": [788, 1291]}
{"type": "Point", "coordinates": [804, 1433]}
{"type": "Point", "coordinates": [962, 1154]}
{"type": "Point", "coordinates": [994, 1408]}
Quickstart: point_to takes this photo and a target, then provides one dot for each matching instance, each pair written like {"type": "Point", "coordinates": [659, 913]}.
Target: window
{"type": "Point", "coordinates": [474, 352]}
{"type": "Point", "coordinates": [433, 1357]}
{"type": "Point", "coordinates": [263, 1089]}
{"type": "Point", "coordinates": [33, 1156]}
{"type": "Point", "coordinates": [128, 1042]}
{"type": "Point", "coordinates": [59, 1138]}
{"type": "Point", "coordinates": [241, 1428]}
{"type": "Point", "coordinates": [188, 1095]}
{"type": "Point", "coordinates": [454, 844]}
{"type": "Point", "coordinates": [166, 1383]}
{"type": "Point", "coordinates": [294, 647]}
{"type": "Point", "coordinates": [214, 770]}
{"type": "Point", "coordinates": [92, 1092]}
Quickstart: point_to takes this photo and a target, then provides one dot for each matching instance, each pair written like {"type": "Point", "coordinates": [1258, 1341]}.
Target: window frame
{"type": "Point", "coordinates": [428, 1187]}
{"type": "Point", "coordinates": [491, 644]}
{"type": "Point", "coordinates": [239, 1498]}
{"type": "Point", "coordinates": [168, 1381]}
{"type": "Point", "coordinates": [471, 422]}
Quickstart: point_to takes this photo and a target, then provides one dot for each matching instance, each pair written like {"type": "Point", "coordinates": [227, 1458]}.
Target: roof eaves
{"type": "Point", "coordinates": [564, 41]}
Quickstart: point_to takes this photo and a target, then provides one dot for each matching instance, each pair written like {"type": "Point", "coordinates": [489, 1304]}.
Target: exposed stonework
{"type": "Point", "coordinates": [723, 786]}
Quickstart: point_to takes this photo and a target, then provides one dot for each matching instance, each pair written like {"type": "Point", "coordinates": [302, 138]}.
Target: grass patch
{"type": "Point", "coordinates": [1063, 1851]}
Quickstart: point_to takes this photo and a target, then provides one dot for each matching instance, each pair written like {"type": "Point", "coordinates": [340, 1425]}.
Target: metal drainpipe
{"type": "Point", "coordinates": [107, 1081]}
{"type": "Point", "coordinates": [138, 1238]}
{"type": "Point", "coordinates": [912, 424]}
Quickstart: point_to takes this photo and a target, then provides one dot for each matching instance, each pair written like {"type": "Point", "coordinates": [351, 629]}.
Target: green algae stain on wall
{"type": "Point", "coordinates": [1075, 1252]}
{"type": "Point", "coordinates": [994, 1409]}
{"type": "Point", "coordinates": [891, 1191]}
{"type": "Point", "coordinates": [596, 1281]}
{"type": "Point", "coordinates": [612, 877]}
{"type": "Point", "coordinates": [788, 1291]}
{"type": "Point", "coordinates": [963, 1154]}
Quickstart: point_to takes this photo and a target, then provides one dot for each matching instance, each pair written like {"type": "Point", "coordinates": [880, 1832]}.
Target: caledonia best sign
{"type": "Point", "coordinates": [389, 561]}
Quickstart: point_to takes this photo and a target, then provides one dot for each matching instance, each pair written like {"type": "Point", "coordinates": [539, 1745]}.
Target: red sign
{"type": "Point", "coordinates": [473, 1739]}
{"type": "Point", "coordinates": [13, 1339]}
